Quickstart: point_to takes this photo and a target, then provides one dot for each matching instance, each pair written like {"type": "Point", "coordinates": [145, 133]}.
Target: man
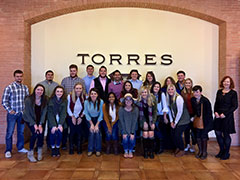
{"type": "Point", "coordinates": [13, 102]}
{"type": "Point", "coordinates": [89, 77]}
{"type": "Point", "coordinates": [101, 83]}
{"type": "Point", "coordinates": [181, 81]}
{"type": "Point", "coordinates": [69, 82]}
{"type": "Point", "coordinates": [48, 83]}
{"type": "Point", "coordinates": [116, 85]}
{"type": "Point", "coordinates": [134, 79]}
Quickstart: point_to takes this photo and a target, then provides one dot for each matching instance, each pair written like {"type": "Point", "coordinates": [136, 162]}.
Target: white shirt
{"type": "Point", "coordinates": [77, 107]}
{"type": "Point", "coordinates": [112, 112]}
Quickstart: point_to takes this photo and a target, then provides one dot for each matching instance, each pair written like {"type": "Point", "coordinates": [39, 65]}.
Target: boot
{"type": "Point", "coordinates": [31, 157]}
{"type": "Point", "coordinates": [108, 147]}
{"type": "Point", "coordinates": [157, 145]}
{"type": "Point", "coordinates": [225, 155]}
{"type": "Point", "coordinates": [71, 147]}
{"type": "Point", "coordinates": [150, 148]}
{"type": "Point", "coordinates": [204, 146]}
{"type": "Point", "coordinates": [115, 147]}
{"type": "Point", "coordinates": [58, 152]}
{"type": "Point", "coordinates": [161, 149]}
{"type": "Point", "coordinates": [53, 152]}
{"type": "Point", "coordinates": [39, 154]}
{"type": "Point", "coordinates": [200, 150]}
{"type": "Point", "coordinates": [79, 145]}
{"type": "Point", "coordinates": [145, 148]}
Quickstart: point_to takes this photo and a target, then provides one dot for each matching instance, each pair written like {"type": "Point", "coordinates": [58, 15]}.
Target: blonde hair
{"type": "Point", "coordinates": [175, 95]}
{"type": "Point", "coordinates": [185, 91]}
{"type": "Point", "coordinates": [82, 95]}
{"type": "Point", "coordinates": [150, 100]}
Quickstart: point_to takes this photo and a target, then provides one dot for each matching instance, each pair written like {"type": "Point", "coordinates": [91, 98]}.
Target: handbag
{"type": "Point", "coordinates": [198, 121]}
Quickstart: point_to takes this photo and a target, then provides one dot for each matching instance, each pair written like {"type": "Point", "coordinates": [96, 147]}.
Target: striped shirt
{"type": "Point", "coordinates": [13, 97]}
{"type": "Point", "coordinates": [69, 82]}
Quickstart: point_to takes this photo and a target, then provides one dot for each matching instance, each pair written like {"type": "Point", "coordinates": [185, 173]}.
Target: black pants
{"type": "Point", "coordinates": [75, 133]}
{"type": "Point", "coordinates": [190, 131]}
{"type": "Point", "coordinates": [177, 133]}
{"type": "Point", "coordinates": [224, 141]}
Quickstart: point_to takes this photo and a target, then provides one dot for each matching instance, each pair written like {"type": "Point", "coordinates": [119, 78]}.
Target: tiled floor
{"type": "Point", "coordinates": [164, 166]}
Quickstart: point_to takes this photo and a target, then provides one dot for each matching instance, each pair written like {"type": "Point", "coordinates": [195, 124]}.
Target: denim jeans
{"type": "Point", "coordinates": [35, 136]}
{"type": "Point", "coordinates": [114, 135]}
{"type": "Point", "coordinates": [75, 132]}
{"type": "Point", "coordinates": [177, 136]}
{"type": "Point", "coordinates": [94, 139]}
{"type": "Point", "coordinates": [128, 143]}
{"type": "Point", "coordinates": [12, 119]}
{"type": "Point", "coordinates": [56, 138]}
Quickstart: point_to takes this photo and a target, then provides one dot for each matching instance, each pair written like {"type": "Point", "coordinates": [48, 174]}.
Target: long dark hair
{"type": "Point", "coordinates": [146, 82]}
{"type": "Point", "coordinates": [43, 97]}
{"type": "Point", "coordinates": [171, 79]}
{"type": "Point", "coordinates": [54, 92]}
{"type": "Point", "coordinates": [124, 90]}
{"type": "Point", "coordinates": [98, 100]}
{"type": "Point", "coordinates": [159, 92]}
{"type": "Point", "coordinates": [116, 102]}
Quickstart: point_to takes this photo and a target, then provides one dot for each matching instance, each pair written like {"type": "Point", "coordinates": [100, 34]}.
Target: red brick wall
{"type": "Point", "coordinates": [16, 18]}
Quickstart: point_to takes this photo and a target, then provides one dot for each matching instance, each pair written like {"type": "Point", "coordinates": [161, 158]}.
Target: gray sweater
{"type": "Point", "coordinates": [128, 120]}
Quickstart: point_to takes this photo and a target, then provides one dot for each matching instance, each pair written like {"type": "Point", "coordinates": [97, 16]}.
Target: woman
{"type": "Point", "coordinates": [94, 115]}
{"type": "Point", "coordinates": [128, 117]}
{"type": "Point", "coordinates": [57, 112]}
{"type": "Point", "coordinates": [149, 80]}
{"type": "Point", "coordinates": [128, 88]}
{"type": "Point", "coordinates": [162, 120]}
{"type": "Point", "coordinates": [179, 118]}
{"type": "Point", "coordinates": [169, 80]}
{"type": "Point", "coordinates": [147, 118]}
{"type": "Point", "coordinates": [202, 108]}
{"type": "Point", "coordinates": [110, 123]}
{"type": "Point", "coordinates": [187, 94]}
{"type": "Point", "coordinates": [34, 115]}
{"type": "Point", "coordinates": [75, 115]}
{"type": "Point", "coordinates": [225, 105]}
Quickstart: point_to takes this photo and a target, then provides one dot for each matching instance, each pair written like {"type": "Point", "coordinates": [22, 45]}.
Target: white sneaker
{"type": "Point", "coordinates": [23, 150]}
{"type": "Point", "coordinates": [187, 148]}
{"type": "Point", "coordinates": [192, 149]}
{"type": "Point", "coordinates": [8, 154]}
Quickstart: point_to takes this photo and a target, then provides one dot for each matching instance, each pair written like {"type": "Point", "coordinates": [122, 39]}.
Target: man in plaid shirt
{"type": "Point", "coordinates": [13, 101]}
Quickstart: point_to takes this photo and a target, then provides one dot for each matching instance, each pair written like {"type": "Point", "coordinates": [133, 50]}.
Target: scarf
{"type": "Point", "coordinates": [143, 105]}
{"type": "Point", "coordinates": [56, 105]}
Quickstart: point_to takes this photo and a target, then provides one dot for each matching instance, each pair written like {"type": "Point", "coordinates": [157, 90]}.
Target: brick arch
{"type": "Point", "coordinates": [47, 13]}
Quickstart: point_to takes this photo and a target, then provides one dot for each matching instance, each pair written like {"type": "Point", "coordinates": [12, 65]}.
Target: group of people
{"type": "Point", "coordinates": [96, 107]}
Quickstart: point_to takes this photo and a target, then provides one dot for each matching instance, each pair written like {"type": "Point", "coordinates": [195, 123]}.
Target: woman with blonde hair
{"type": "Point", "coordinates": [147, 105]}
{"type": "Point", "coordinates": [75, 115]}
{"type": "Point", "coordinates": [187, 94]}
{"type": "Point", "coordinates": [179, 118]}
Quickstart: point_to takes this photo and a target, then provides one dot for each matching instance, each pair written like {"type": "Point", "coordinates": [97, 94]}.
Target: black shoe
{"type": "Point", "coordinates": [225, 156]}
{"type": "Point", "coordinates": [219, 155]}
{"type": "Point", "coordinates": [71, 151]}
{"type": "Point", "coordinates": [64, 147]}
{"type": "Point", "coordinates": [79, 150]}
{"type": "Point", "coordinates": [151, 155]}
{"type": "Point", "coordinates": [145, 154]}
{"type": "Point", "coordinates": [53, 154]}
{"type": "Point", "coordinates": [58, 152]}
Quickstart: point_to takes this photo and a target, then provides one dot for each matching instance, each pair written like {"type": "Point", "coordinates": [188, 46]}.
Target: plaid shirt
{"type": "Point", "coordinates": [13, 97]}
{"type": "Point", "coordinates": [69, 82]}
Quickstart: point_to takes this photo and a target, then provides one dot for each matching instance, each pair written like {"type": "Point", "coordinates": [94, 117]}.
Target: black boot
{"type": "Point", "coordinates": [58, 152]}
{"type": "Point", "coordinates": [71, 147]}
{"type": "Point", "coordinates": [150, 148]}
{"type": "Point", "coordinates": [161, 149]}
{"type": "Point", "coordinates": [145, 148]}
{"type": "Point", "coordinates": [53, 154]}
{"type": "Point", "coordinates": [157, 145]}
{"type": "Point", "coordinates": [108, 147]}
{"type": "Point", "coordinates": [79, 145]}
{"type": "Point", "coordinates": [115, 147]}
{"type": "Point", "coordinates": [204, 146]}
{"type": "Point", "coordinates": [200, 150]}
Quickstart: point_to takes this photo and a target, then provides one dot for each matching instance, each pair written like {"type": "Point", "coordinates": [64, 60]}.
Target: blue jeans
{"type": "Point", "coordinates": [94, 139]}
{"type": "Point", "coordinates": [12, 119]}
{"type": "Point", "coordinates": [128, 143]}
{"type": "Point", "coordinates": [114, 135]}
{"type": "Point", "coordinates": [35, 136]}
{"type": "Point", "coordinates": [56, 138]}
